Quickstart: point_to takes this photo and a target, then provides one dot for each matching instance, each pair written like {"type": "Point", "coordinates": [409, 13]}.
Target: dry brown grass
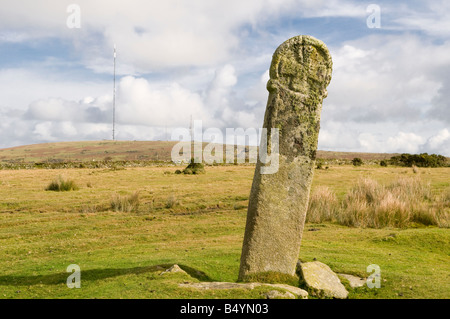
{"type": "Point", "coordinates": [403, 202]}
{"type": "Point", "coordinates": [127, 203]}
{"type": "Point", "coordinates": [323, 205]}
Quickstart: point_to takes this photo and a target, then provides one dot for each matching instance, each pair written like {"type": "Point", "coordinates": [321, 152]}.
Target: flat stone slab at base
{"type": "Point", "coordinates": [355, 282]}
{"type": "Point", "coordinates": [300, 293]}
{"type": "Point", "coordinates": [322, 281]}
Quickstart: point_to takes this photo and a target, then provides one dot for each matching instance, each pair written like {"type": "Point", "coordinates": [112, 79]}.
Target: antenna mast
{"type": "Point", "coordinates": [114, 97]}
{"type": "Point", "coordinates": [191, 129]}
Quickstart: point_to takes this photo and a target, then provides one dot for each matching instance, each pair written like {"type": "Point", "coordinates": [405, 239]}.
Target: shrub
{"type": "Point", "coordinates": [357, 161]}
{"type": "Point", "coordinates": [127, 203]}
{"type": "Point", "coordinates": [420, 160]}
{"type": "Point", "coordinates": [319, 164]}
{"type": "Point", "coordinates": [383, 163]}
{"type": "Point", "coordinates": [178, 171]}
{"type": "Point", "coordinates": [62, 185]}
{"type": "Point", "coordinates": [194, 168]}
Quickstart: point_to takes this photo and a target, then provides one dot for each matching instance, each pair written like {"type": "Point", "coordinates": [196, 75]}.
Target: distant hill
{"type": "Point", "coordinates": [124, 150]}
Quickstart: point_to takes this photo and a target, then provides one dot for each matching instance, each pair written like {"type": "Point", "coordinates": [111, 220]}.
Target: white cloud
{"type": "Point", "coordinates": [439, 139]}
{"type": "Point", "coordinates": [208, 59]}
{"type": "Point", "coordinates": [21, 86]}
{"type": "Point", "coordinates": [141, 103]}
{"type": "Point", "coordinates": [360, 137]}
{"type": "Point", "coordinates": [404, 142]}
{"type": "Point", "coordinates": [400, 143]}
{"type": "Point", "coordinates": [155, 35]}
{"type": "Point", "coordinates": [386, 78]}
{"type": "Point", "coordinates": [143, 109]}
{"type": "Point", "coordinates": [432, 17]}
{"type": "Point", "coordinates": [439, 143]}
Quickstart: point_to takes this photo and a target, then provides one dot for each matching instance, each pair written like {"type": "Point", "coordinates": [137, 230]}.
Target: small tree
{"type": "Point", "coordinates": [357, 161]}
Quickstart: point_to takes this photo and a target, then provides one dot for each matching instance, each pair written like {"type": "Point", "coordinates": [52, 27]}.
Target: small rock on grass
{"type": "Point", "coordinates": [355, 282]}
{"type": "Point", "coordinates": [174, 269]}
{"type": "Point", "coordinates": [322, 281]}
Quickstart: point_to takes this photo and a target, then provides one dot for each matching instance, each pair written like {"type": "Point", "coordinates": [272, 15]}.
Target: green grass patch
{"type": "Point", "coordinates": [121, 254]}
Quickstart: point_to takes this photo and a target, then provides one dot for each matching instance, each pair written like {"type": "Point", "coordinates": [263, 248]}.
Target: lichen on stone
{"type": "Point", "coordinates": [300, 72]}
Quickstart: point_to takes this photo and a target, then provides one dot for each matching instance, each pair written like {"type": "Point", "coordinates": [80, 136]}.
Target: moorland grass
{"type": "Point", "coordinates": [405, 201]}
{"type": "Point", "coordinates": [125, 203]}
{"type": "Point", "coordinates": [121, 254]}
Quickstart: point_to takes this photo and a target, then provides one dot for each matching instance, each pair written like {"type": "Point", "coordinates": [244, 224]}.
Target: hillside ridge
{"type": "Point", "coordinates": [127, 150]}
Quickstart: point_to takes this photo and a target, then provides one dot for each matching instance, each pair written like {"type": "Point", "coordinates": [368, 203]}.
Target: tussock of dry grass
{"type": "Point", "coordinates": [323, 205]}
{"type": "Point", "coordinates": [127, 203]}
{"type": "Point", "coordinates": [370, 204]}
{"type": "Point", "coordinates": [62, 185]}
{"type": "Point", "coordinates": [172, 201]}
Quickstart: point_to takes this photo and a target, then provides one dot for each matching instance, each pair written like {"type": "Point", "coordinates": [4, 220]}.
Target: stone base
{"type": "Point", "coordinates": [321, 281]}
{"type": "Point", "coordinates": [299, 293]}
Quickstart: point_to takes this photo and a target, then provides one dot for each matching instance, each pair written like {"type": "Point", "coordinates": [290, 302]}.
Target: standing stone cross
{"type": "Point", "coordinates": [299, 75]}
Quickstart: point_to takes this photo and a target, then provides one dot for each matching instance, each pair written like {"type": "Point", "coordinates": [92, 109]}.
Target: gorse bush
{"type": "Point", "coordinates": [194, 168]}
{"type": "Point", "coordinates": [404, 202]}
{"type": "Point", "coordinates": [420, 160]}
{"type": "Point", "coordinates": [126, 203]}
{"type": "Point", "coordinates": [62, 185]}
{"type": "Point", "coordinates": [357, 161]}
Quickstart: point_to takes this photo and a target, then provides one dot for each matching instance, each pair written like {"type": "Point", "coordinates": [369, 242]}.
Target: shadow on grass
{"type": "Point", "coordinates": [94, 275]}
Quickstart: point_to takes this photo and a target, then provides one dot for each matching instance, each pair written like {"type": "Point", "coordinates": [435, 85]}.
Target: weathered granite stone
{"type": "Point", "coordinates": [174, 269]}
{"type": "Point", "coordinates": [275, 294]}
{"type": "Point", "coordinates": [355, 282]}
{"type": "Point", "coordinates": [300, 293]}
{"type": "Point", "coordinates": [299, 74]}
{"type": "Point", "coordinates": [321, 281]}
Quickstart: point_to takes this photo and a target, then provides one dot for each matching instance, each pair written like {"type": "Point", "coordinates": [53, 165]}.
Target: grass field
{"type": "Point", "coordinates": [196, 221]}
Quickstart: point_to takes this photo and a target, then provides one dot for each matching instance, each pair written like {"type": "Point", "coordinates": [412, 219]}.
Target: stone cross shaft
{"type": "Point", "coordinates": [299, 75]}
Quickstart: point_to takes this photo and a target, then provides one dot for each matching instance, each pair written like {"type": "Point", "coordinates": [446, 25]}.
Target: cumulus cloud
{"type": "Point", "coordinates": [359, 137]}
{"type": "Point", "coordinates": [144, 109]}
{"type": "Point", "coordinates": [57, 109]}
{"type": "Point", "coordinates": [439, 143]}
{"type": "Point", "coordinates": [375, 79]}
{"type": "Point", "coordinates": [389, 92]}
{"type": "Point", "coordinates": [154, 35]}
{"type": "Point", "coordinates": [432, 18]}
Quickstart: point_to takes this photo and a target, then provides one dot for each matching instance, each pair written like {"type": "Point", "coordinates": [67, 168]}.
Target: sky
{"type": "Point", "coordinates": [390, 88]}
